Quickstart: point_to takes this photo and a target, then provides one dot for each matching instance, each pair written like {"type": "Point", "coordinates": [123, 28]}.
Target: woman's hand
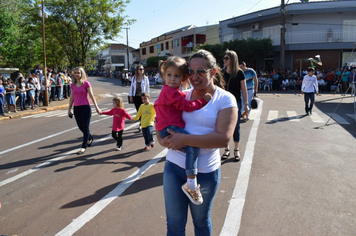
{"type": "Point", "coordinates": [131, 99]}
{"type": "Point", "coordinates": [176, 141]}
{"type": "Point", "coordinates": [163, 141]}
{"type": "Point", "coordinates": [70, 113]}
{"type": "Point", "coordinates": [246, 107]}
{"type": "Point", "coordinates": [98, 111]}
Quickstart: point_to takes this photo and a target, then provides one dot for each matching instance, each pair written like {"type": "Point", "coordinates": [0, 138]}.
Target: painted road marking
{"type": "Point", "coordinates": [105, 201]}
{"type": "Point", "coordinates": [272, 115]}
{"type": "Point", "coordinates": [234, 213]}
{"type": "Point", "coordinates": [316, 118]}
{"type": "Point", "coordinates": [338, 119]}
{"type": "Point", "coordinates": [292, 116]}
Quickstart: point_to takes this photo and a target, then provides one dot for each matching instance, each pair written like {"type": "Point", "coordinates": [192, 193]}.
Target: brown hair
{"type": "Point", "coordinates": [218, 78]}
{"type": "Point", "coordinates": [145, 94]}
{"type": "Point", "coordinates": [119, 102]}
{"type": "Point", "coordinates": [179, 63]}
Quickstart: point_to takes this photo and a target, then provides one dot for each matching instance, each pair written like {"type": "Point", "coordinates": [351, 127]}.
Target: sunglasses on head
{"type": "Point", "coordinates": [200, 72]}
{"type": "Point", "coordinates": [226, 58]}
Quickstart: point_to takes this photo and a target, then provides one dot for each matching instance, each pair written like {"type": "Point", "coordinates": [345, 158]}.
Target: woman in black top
{"type": "Point", "coordinates": [235, 84]}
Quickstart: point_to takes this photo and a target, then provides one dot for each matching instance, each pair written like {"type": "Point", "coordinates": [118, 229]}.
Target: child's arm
{"type": "Point", "coordinates": [179, 102]}
{"type": "Point", "coordinates": [138, 115]}
{"type": "Point", "coordinates": [108, 113]}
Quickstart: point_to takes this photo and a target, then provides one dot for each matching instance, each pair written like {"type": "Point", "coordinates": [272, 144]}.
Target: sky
{"type": "Point", "coordinates": [156, 17]}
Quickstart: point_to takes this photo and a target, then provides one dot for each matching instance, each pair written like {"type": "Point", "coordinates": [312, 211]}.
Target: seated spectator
{"type": "Point", "coordinates": [293, 84]}
{"type": "Point", "coordinates": [321, 84]}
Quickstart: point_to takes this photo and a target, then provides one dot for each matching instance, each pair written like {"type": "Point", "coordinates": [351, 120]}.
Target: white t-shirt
{"type": "Point", "coordinates": [202, 122]}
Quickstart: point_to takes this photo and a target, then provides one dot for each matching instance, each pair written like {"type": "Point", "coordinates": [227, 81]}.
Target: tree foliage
{"type": "Point", "coordinates": [153, 61]}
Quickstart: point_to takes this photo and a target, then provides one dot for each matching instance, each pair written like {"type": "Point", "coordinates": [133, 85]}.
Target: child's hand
{"type": "Point", "coordinates": [132, 121]}
{"type": "Point", "coordinates": [207, 97]}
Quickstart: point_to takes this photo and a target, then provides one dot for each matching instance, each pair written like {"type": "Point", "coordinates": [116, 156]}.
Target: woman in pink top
{"type": "Point", "coordinates": [80, 89]}
{"type": "Point", "coordinates": [119, 114]}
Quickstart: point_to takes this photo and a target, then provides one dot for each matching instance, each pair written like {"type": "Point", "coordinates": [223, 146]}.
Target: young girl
{"type": "Point", "coordinates": [31, 91]}
{"type": "Point", "coordinates": [119, 114]}
{"type": "Point", "coordinates": [169, 106]}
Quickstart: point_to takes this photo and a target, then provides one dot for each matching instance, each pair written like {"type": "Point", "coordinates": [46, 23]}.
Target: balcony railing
{"type": "Point", "coordinates": [186, 50]}
{"type": "Point", "coordinates": [326, 36]}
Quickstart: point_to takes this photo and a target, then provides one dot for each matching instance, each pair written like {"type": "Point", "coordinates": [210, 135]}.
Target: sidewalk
{"type": "Point", "coordinates": [53, 106]}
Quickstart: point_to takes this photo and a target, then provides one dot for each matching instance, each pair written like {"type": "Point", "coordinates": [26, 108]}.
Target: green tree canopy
{"type": "Point", "coordinates": [153, 61]}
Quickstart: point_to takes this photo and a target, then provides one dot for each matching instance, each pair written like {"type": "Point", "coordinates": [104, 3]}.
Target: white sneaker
{"type": "Point", "coordinates": [193, 195]}
{"type": "Point", "coordinates": [152, 144]}
{"type": "Point", "coordinates": [118, 148]}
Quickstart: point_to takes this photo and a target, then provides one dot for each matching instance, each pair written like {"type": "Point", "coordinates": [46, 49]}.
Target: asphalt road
{"type": "Point", "coordinates": [296, 176]}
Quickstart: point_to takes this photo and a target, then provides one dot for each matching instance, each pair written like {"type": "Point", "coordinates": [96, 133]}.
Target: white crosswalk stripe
{"type": "Point", "coordinates": [316, 117]}
{"type": "Point", "coordinates": [338, 119]}
{"type": "Point", "coordinates": [292, 116]}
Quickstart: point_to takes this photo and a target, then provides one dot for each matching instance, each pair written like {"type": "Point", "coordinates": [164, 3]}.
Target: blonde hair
{"type": "Point", "coordinates": [234, 62]}
{"type": "Point", "coordinates": [83, 77]}
{"type": "Point", "coordinates": [119, 102]}
{"type": "Point", "coordinates": [177, 62]}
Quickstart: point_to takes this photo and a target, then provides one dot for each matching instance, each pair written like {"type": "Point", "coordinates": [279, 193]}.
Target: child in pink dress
{"type": "Point", "coordinates": [119, 114]}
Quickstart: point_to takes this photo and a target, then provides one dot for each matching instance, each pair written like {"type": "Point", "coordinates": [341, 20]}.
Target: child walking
{"type": "Point", "coordinates": [119, 114]}
{"type": "Point", "coordinates": [169, 106]}
{"type": "Point", "coordinates": [147, 114]}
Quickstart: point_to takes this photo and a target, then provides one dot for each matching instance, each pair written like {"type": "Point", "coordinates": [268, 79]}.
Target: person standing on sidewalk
{"type": "Point", "coordinates": [140, 84]}
{"type": "Point", "coordinates": [80, 89]}
{"type": "Point", "coordinates": [251, 84]}
{"type": "Point", "coordinates": [236, 84]}
{"type": "Point", "coordinates": [309, 88]}
{"type": "Point", "coordinates": [2, 95]}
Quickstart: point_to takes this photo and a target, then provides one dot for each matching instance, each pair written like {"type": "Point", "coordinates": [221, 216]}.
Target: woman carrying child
{"type": "Point", "coordinates": [169, 106]}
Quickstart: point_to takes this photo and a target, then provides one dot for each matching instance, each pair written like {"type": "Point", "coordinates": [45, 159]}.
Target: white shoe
{"type": "Point", "coordinates": [118, 148]}
{"type": "Point", "coordinates": [193, 195]}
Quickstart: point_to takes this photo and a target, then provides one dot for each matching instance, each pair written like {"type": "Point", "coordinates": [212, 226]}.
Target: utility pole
{"type": "Point", "coordinates": [127, 42]}
{"type": "Point", "coordinates": [45, 95]}
{"type": "Point", "coordinates": [283, 32]}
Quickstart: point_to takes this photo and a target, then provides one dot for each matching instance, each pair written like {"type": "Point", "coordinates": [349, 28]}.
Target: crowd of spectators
{"type": "Point", "coordinates": [338, 80]}
{"type": "Point", "coordinates": [28, 91]}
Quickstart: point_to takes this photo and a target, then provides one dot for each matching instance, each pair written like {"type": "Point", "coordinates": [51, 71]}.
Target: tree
{"type": "Point", "coordinates": [153, 61]}
{"type": "Point", "coordinates": [79, 25]}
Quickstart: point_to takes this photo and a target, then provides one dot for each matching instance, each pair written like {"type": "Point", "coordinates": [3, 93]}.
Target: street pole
{"type": "Point", "coordinates": [127, 42]}
{"type": "Point", "coordinates": [283, 31]}
{"type": "Point", "coordinates": [45, 96]}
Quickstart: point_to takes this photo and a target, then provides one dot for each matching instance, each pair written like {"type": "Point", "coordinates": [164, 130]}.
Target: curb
{"type": "Point", "coordinates": [41, 110]}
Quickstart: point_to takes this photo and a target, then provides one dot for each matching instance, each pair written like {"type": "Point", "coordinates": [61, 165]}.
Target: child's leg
{"type": "Point", "coordinates": [114, 135]}
{"type": "Point", "coordinates": [145, 136]}
{"type": "Point", "coordinates": [150, 135]}
{"type": "Point", "coordinates": [119, 138]}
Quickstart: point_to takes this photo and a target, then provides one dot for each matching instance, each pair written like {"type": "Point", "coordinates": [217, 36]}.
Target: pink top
{"type": "Point", "coordinates": [80, 94]}
{"type": "Point", "coordinates": [169, 106]}
{"type": "Point", "coordinates": [119, 116]}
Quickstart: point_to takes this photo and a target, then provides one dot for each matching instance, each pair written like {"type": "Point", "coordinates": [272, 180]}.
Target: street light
{"type": "Point", "coordinates": [43, 15]}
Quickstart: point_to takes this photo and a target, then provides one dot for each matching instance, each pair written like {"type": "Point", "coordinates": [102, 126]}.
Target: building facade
{"type": "Point", "coordinates": [114, 57]}
{"type": "Point", "coordinates": [326, 28]}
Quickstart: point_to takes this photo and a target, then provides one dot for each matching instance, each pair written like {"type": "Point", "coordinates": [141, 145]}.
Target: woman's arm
{"type": "Point", "coordinates": [91, 95]}
{"type": "Point", "coordinates": [225, 126]}
{"type": "Point", "coordinates": [71, 101]}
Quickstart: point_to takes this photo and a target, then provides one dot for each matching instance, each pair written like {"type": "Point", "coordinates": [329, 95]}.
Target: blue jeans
{"type": "Point", "coordinates": [2, 105]}
{"type": "Point", "coordinates": [250, 93]}
{"type": "Point", "coordinates": [236, 135]}
{"type": "Point", "coordinates": [176, 202]}
{"type": "Point", "coordinates": [308, 96]}
{"type": "Point", "coordinates": [53, 93]}
{"type": "Point", "coordinates": [148, 135]}
{"type": "Point", "coordinates": [82, 115]}
{"type": "Point", "coordinates": [191, 160]}
{"type": "Point", "coordinates": [60, 93]}
{"type": "Point", "coordinates": [22, 98]}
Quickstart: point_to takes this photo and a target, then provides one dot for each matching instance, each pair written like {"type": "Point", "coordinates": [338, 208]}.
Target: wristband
{"type": "Point", "coordinates": [246, 103]}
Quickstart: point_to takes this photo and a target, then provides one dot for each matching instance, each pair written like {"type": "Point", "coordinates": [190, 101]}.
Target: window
{"type": "Point", "coordinates": [167, 45]}
{"type": "Point", "coordinates": [200, 40]}
{"type": "Point", "coordinates": [246, 34]}
{"type": "Point", "coordinates": [152, 49]}
{"type": "Point", "coordinates": [274, 33]}
{"type": "Point", "coordinates": [349, 27]}
{"type": "Point", "coordinates": [143, 51]}
{"type": "Point", "coordinates": [176, 43]}
{"type": "Point", "coordinates": [162, 46]}
{"type": "Point", "coordinates": [228, 37]}
{"type": "Point", "coordinates": [118, 59]}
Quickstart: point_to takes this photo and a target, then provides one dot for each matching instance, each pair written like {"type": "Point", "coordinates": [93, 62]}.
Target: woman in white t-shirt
{"type": "Point", "coordinates": [210, 128]}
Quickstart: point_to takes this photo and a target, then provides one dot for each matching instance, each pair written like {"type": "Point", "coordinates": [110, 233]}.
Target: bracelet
{"type": "Point", "coordinates": [246, 103]}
